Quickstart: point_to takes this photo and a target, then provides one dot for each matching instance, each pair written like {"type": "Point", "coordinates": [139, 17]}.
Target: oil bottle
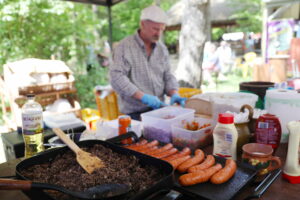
{"type": "Point", "coordinates": [32, 126]}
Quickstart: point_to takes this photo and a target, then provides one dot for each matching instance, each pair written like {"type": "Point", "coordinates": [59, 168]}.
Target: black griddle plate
{"type": "Point", "coordinates": [165, 183]}
{"type": "Point", "coordinates": [244, 175]}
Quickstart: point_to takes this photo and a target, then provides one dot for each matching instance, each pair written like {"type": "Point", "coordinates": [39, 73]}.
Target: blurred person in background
{"type": "Point", "coordinates": [140, 73]}
{"type": "Point", "coordinates": [210, 63]}
{"type": "Point", "coordinates": [225, 59]}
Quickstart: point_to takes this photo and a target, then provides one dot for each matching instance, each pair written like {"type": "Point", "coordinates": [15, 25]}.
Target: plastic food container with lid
{"type": "Point", "coordinates": [157, 123]}
{"type": "Point", "coordinates": [181, 137]}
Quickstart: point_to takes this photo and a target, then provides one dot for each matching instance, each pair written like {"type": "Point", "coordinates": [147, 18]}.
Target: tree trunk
{"type": "Point", "coordinates": [195, 29]}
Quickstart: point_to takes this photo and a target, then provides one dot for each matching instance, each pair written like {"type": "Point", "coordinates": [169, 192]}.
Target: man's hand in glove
{"type": "Point", "coordinates": [152, 101]}
{"type": "Point", "coordinates": [177, 99]}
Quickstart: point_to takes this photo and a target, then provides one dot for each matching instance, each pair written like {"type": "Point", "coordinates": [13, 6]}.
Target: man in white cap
{"type": "Point", "coordinates": [140, 73]}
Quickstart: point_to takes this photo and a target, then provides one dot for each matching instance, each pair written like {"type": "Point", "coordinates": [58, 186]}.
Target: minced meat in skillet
{"type": "Point", "coordinates": [64, 170]}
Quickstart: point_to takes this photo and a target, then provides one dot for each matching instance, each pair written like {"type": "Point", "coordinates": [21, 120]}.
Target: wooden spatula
{"type": "Point", "coordinates": [86, 160]}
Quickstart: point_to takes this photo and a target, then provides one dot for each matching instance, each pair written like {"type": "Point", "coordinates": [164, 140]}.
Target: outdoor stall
{"type": "Point", "coordinates": [181, 144]}
{"type": "Point", "coordinates": [167, 135]}
{"type": "Point", "coordinates": [280, 188]}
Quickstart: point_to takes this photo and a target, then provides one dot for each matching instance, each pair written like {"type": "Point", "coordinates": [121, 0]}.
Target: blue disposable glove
{"type": "Point", "coordinates": [152, 101]}
{"type": "Point", "coordinates": [177, 99]}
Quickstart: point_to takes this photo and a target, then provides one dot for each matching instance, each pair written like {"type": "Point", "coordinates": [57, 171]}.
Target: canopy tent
{"type": "Point", "coordinates": [108, 4]}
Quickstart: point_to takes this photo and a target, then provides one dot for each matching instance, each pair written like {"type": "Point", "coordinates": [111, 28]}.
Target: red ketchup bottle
{"type": "Point", "coordinates": [268, 130]}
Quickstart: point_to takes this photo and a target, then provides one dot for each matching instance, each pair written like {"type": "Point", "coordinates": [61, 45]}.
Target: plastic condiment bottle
{"type": "Point", "coordinates": [124, 127]}
{"type": "Point", "coordinates": [225, 137]}
{"type": "Point", "coordinates": [291, 170]}
{"type": "Point", "coordinates": [268, 131]}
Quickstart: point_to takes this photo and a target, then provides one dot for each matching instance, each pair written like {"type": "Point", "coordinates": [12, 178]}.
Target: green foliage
{"type": "Point", "coordinates": [249, 13]}
{"type": "Point", "coordinates": [217, 33]}
{"type": "Point", "coordinates": [45, 28]}
{"type": "Point", "coordinates": [42, 28]}
{"type": "Point", "coordinates": [171, 37]}
{"type": "Point", "coordinates": [85, 83]}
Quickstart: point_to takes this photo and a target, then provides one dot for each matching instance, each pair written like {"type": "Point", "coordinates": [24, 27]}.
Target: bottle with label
{"type": "Point", "coordinates": [124, 127]}
{"type": "Point", "coordinates": [225, 137]}
{"type": "Point", "coordinates": [268, 130]}
{"type": "Point", "coordinates": [32, 126]}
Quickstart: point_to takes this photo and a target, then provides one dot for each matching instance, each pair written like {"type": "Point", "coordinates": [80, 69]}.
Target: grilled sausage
{"type": "Point", "coordinates": [207, 163]}
{"type": "Point", "coordinates": [184, 152]}
{"type": "Point", "coordinates": [166, 153]}
{"type": "Point", "coordinates": [198, 158]}
{"type": "Point", "coordinates": [148, 150]}
{"type": "Point", "coordinates": [199, 176]}
{"type": "Point", "coordinates": [141, 142]}
{"type": "Point", "coordinates": [224, 174]}
{"type": "Point", "coordinates": [144, 146]}
{"type": "Point", "coordinates": [162, 149]}
{"type": "Point", "coordinates": [176, 162]}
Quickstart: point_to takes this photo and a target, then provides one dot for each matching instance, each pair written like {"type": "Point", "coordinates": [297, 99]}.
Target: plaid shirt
{"type": "Point", "coordinates": [133, 70]}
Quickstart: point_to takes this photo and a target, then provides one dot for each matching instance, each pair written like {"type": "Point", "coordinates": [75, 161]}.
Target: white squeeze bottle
{"type": "Point", "coordinates": [225, 137]}
{"type": "Point", "coordinates": [291, 170]}
{"type": "Point", "coordinates": [32, 126]}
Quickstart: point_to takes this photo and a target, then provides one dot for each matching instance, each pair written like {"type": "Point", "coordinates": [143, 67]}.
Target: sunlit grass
{"type": "Point", "coordinates": [231, 84]}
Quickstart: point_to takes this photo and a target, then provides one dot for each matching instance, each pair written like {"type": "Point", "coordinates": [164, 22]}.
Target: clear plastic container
{"type": "Point", "coordinates": [157, 123]}
{"type": "Point", "coordinates": [182, 137]}
{"type": "Point", "coordinates": [109, 129]}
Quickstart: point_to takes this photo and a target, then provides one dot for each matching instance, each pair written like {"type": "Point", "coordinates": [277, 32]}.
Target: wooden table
{"type": "Point", "coordinates": [279, 190]}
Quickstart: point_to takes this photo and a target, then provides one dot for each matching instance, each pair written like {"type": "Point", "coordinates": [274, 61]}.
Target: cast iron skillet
{"type": "Point", "coordinates": [165, 183]}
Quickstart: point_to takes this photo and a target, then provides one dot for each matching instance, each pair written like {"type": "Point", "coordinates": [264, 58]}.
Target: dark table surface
{"type": "Point", "coordinates": [280, 189]}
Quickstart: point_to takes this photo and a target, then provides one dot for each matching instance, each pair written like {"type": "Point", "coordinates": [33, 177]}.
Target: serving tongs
{"type": "Point", "coordinates": [265, 184]}
{"type": "Point", "coordinates": [86, 160]}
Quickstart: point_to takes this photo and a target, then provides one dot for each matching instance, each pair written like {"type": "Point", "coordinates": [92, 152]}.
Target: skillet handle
{"type": "Point", "coordinates": [119, 138]}
{"type": "Point", "coordinates": [8, 184]}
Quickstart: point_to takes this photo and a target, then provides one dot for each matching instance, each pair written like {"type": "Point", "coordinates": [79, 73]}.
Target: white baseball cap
{"type": "Point", "coordinates": [155, 14]}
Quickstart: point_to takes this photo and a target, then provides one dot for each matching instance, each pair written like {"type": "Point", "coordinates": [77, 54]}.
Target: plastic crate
{"type": "Point", "coordinates": [108, 106]}
{"type": "Point", "coordinates": [90, 117]}
{"type": "Point", "coordinates": [188, 92]}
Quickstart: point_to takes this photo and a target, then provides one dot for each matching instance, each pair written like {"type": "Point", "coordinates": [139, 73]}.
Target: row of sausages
{"type": "Point", "coordinates": [198, 168]}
